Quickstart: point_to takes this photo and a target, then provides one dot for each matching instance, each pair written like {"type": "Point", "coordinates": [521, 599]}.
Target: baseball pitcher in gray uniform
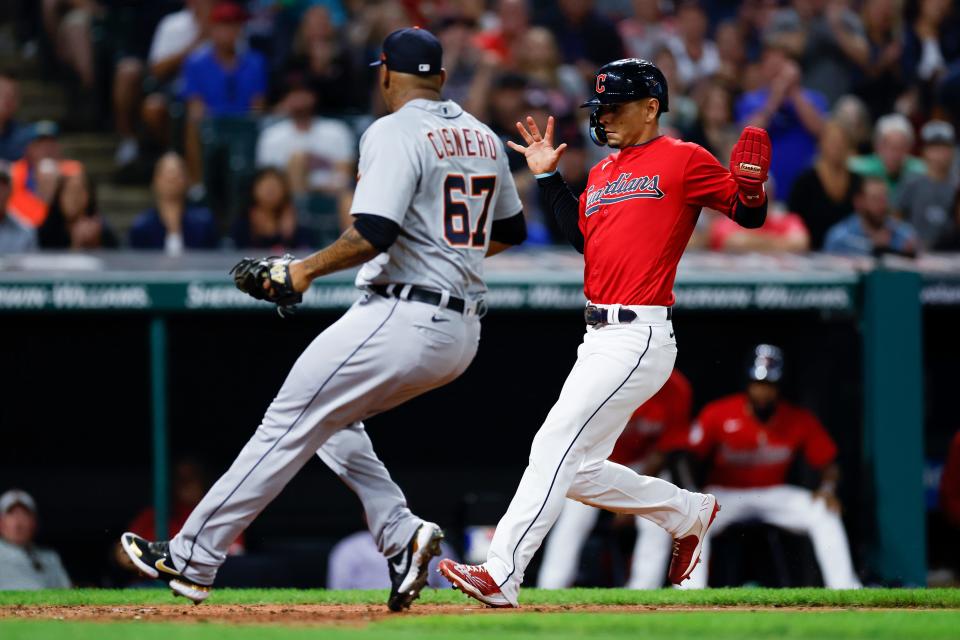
{"type": "Point", "coordinates": [434, 197]}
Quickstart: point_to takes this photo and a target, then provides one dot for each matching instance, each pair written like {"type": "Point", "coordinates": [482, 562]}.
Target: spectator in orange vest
{"type": "Point", "coordinates": [34, 177]}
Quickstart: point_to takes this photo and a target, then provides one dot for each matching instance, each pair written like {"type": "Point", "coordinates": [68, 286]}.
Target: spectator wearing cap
{"type": "Point", "coordinates": [221, 78]}
{"type": "Point", "coordinates": [792, 114]}
{"type": "Point", "coordinates": [823, 194]}
{"type": "Point", "coordinates": [15, 236]}
{"type": "Point", "coordinates": [949, 240]}
{"type": "Point", "coordinates": [23, 565]}
{"type": "Point", "coordinates": [13, 135]}
{"type": "Point", "coordinates": [924, 200]}
{"type": "Point", "coordinates": [173, 224]}
{"type": "Point", "coordinates": [891, 160]}
{"type": "Point", "coordinates": [871, 230]}
{"type": "Point", "coordinates": [34, 176]}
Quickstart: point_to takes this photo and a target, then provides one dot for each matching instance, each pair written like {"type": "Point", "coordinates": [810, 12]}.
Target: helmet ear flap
{"type": "Point", "coordinates": [597, 133]}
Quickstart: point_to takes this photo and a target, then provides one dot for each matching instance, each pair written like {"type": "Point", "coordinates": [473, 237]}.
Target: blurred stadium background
{"type": "Point", "coordinates": [131, 191]}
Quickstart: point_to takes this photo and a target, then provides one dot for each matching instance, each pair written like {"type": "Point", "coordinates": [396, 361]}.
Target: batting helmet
{"type": "Point", "coordinates": [623, 81]}
{"type": "Point", "coordinates": [765, 364]}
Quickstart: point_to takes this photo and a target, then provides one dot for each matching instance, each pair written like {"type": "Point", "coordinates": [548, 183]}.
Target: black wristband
{"type": "Point", "coordinates": [749, 217]}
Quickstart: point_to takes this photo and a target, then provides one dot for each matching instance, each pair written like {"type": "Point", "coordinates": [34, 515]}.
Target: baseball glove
{"type": "Point", "coordinates": [268, 279]}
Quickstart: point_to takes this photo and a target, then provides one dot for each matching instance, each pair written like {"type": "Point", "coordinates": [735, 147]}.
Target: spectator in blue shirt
{"type": "Point", "coordinates": [173, 224]}
{"type": "Point", "coordinates": [870, 230]}
{"type": "Point", "coordinates": [793, 116]}
{"type": "Point", "coordinates": [220, 79]}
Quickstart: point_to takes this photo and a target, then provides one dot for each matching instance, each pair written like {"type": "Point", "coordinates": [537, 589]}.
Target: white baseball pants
{"type": "Point", "coordinates": [561, 554]}
{"type": "Point", "coordinates": [618, 368]}
{"type": "Point", "coordinates": [794, 509]}
{"type": "Point", "coordinates": [379, 354]}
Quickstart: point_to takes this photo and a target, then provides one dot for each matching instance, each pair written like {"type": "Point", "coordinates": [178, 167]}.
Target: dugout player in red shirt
{"type": "Point", "coordinates": [749, 442]}
{"type": "Point", "coordinates": [666, 413]}
{"type": "Point", "coordinates": [631, 224]}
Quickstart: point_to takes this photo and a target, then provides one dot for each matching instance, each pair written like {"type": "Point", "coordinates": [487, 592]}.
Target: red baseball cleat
{"type": "Point", "coordinates": [686, 548]}
{"type": "Point", "coordinates": [474, 581]}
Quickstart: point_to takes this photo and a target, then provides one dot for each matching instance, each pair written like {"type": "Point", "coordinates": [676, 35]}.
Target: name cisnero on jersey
{"type": "Point", "coordinates": [463, 142]}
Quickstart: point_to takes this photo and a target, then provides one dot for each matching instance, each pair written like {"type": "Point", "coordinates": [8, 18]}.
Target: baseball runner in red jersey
{"type": "Point", "coordinates": [667, 412]}
{"type": "Point", "coordinates": [749, 442]}
{"type": "Point", "coordinates": [631, 224]}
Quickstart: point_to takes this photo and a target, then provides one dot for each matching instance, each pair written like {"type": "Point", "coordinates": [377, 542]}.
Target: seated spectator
{"type": "Point", "coordinates": [828, 40]}
{"type": "Point", "coordinates": [683, 108]}
{"type": "Point", "coordinates": [823, 194]}
{"type": "Point", "coordinates": [924, 200]}
{"type": "Point", "coordinates": [782, 232]}
{"type": "Point", "coordinates": [732, 50]}
{"type": "Point", "coordinates": [871, 230]}
{"type": "Point", "coordinates": [221, 79]}
{"type": "Point", "coordinates": [318, 154]}
{"type": "Point", "coordinates": [714, 129]}
{"type": "Point", "coordinates": [13, 135]}
{"type": "Point", "coordinates": [15, 236]}
{"type": "Point", "coordinates": [647, 30]}
{"type": "Point", "coordinates": [696, 55]}
{"type": "Point", "coordinates": [792, 114]}
{"type": "Point", "coordinates": [74, 221]}
{"type": "Point", "coordinates": [461, 58]}
{"type": "Point", "coordinates": [638, 447]}
{"type": "Point", "coordinates": [931, 41]}
{"type": "Point", "coordinates": [891, 160]}
{"type": "Point", "coordinates": [270, 222]}
{"type": "Point", "coordinates": [177, 36]}
{"type": "Point", "coordinates": [356, 563]}
{"type": "Point", "coordinates": [23, 565]}
{"type": "Point", "coordinates": [853, 117]}
{"type": "Point", "coordinates": [748, 442]}
{"type": "Point", "coordinates": [34, 177]}
{"type": "Point", "coordinates": [173, 224]}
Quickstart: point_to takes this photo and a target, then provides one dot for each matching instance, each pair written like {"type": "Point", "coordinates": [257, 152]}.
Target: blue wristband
{"type": "Point", "coordinates": [545, 175]}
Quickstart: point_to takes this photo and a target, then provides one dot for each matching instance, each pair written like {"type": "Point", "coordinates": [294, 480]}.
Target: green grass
{"type": "Point", "coordinates": [859, 616]}
{"type": "Point", "coordinates": [713, 625]}
{"type": "Point", "coordinates": [877, 598]}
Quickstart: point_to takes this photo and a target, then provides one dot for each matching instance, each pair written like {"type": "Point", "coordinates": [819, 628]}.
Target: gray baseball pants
{"type": "Point", "coordinates": [379, 354]}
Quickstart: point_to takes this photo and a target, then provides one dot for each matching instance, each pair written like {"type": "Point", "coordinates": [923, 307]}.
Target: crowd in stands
{"type": "Point", "coordinates": [860, 98]}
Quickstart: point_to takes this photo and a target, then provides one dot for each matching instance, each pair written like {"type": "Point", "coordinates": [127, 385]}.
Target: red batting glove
{"type": "Point", "coordinates": [749, 164]}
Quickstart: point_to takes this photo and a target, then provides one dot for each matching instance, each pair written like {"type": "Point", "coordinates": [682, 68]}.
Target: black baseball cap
{"type": "Point", "coordinates": [412, 50]}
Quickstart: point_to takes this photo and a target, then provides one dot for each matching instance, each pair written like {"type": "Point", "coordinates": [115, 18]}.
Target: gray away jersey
{"type": "Point", "coordinates": [442, 175]}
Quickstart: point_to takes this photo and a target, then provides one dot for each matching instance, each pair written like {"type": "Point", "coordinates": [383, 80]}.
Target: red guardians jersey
{"type": "Point", "coordinates": [746, 453]}
{"type": "Point", "coordinates": [638, 213]}
{"type": "Point", "coordinates": [668, 411]}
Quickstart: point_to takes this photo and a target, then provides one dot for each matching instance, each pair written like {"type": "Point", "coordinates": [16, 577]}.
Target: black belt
{"type": "Point", "coordinates": [418, 294]}
{"type": "Point", "coordinates": [599, 315]}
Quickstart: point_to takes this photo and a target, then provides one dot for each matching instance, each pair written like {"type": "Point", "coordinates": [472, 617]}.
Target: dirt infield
{"type": "Point", "coordinates": [319, 614]}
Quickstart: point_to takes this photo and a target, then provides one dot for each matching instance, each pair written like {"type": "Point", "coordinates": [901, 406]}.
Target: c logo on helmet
{"type": "Point", "coordinates": [601, 77]}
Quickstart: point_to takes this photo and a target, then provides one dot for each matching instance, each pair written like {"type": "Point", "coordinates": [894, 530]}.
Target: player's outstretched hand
{"type": "Point", "coordinates": [750, 163]}
{"type": "Point", "coordinates": [539, 152]}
